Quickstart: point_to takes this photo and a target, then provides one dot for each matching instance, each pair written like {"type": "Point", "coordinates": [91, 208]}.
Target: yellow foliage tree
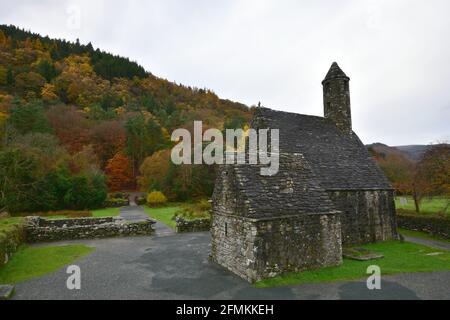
{"type": "Point", "coordinates": [48, 93]}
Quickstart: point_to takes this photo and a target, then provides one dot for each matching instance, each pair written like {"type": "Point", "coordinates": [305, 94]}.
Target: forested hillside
{"type": "Point", "coordinates": [77, 122]}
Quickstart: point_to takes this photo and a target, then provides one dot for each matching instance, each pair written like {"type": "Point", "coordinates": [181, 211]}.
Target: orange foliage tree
{"type": "Point", "coordinates": [70, 126]}
{"type": "Point", "coordinates": [119, 173]}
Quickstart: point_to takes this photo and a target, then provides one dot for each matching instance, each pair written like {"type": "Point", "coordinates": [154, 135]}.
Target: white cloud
{"type": "Point", "coordinates": [277, 52]}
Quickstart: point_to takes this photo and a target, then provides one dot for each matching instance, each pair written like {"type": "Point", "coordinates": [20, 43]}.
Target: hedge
{"type": "Point", "coordinates": [435, 225]}
{"type": "Point", "coordinates": [10, 240]}
{"type": "Point", "coordinates": [115, 203]}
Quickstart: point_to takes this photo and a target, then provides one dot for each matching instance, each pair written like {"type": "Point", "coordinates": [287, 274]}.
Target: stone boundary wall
{"type": "Point", "coordinates": [38, 229]}
{"type": "Point", "coordinates": [430, 224]}
{"type": "Point", "coordinates": [10, 242]}
{"type": "Point", "coordinates": [198, 225]}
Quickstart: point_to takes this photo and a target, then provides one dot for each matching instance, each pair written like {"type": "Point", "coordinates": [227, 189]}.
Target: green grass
{"type": "Point", "coordinates": [163, 214]}
{"type": "Point", "coordinates": [99, 213]}
{"type": "Point", "coordinates": [29, 262]}
{"type": "Point", "coordinates": [420, 234]}
{"type": "Point", "coordinates": [398, 258]}
{"type": "Point", "coordinates": [7, 224]}
{"type": "Point", "coordinates": [106, 212]}
{"type": "Point", "coordinates": [427, 205]}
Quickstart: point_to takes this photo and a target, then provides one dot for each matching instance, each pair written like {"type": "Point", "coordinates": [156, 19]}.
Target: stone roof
{"type": "Point", "coordinates": [338, 161]}
{"type": "Point", "coordinates": [335, 72]}
{"type": "Point", "coordinates": [294, 190]}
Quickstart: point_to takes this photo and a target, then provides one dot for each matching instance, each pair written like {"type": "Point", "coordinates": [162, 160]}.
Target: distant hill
{"type": "Point", "coordinates": [105, 116]}
{"type": "Point", "coordinates": [413, 152]}
{"type": "Point", "coordinates": [94, 81]}
{"type": "Point", "coordinates": [410, 152]}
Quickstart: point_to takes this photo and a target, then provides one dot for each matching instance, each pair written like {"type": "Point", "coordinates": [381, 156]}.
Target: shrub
{"type": "Point", "coordinates": [140, 201]}
{"type": "Point", "coordinates": [156, 198]}
{"type": "Point", "coordinates": [118, 195]}
{"type": "Point", "coordinates": [115, 202]}
{"type": "Point", "coordinates": [204, 205]}
{"type": "Point", "coordinates": [192, 212]}
{"type": "Point", "coordinates": [434, 224]}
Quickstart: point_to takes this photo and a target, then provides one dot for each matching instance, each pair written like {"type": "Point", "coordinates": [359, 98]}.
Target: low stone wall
{"type": "Point", "coordinates": [438, 226]}
{"type": "Point", "coordinates": [38, 229]}
{"type": "Point", "coordinates": [198, 225]}
{"type": "Point", "coordinates": [9, 242]}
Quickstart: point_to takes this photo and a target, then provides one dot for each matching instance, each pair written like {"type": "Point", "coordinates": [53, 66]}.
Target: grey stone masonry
{"type": "Point", "coordinates": [327, 192]}
{"type": "Point", "coordinates": [197, 225]}
{"type": "Point", "coordinates": [38, 229]}
{"type": "Point", "coordinates": [336, 98]}
{"type": "Point", "coordinates": [367, 215]}
{"type": "Point", "coordinates": [256, 249]}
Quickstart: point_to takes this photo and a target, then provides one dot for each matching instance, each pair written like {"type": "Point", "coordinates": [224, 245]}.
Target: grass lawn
{"type": "Point", "coordinates": [29, 262]}
{"type": "Point", "coordinates": [7, 224]}
{"type": "Point", "coordinates": [420, 234]}
{"type": "Point", "coordinates": [163, 214]}
{"type": "Point", "coordinates": [106, 212]}
{"type": "Point", "coordinates": [427, 205]}
{"type": "Point", "coordinates": [398, 258]}
{"type": "Point", "coordinates": [99, 213]}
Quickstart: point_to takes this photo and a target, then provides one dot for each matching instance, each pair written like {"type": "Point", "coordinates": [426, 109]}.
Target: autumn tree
{"type": "Point", "coordinates": [28, 117]}
{"type": "Point", "coordinates": [432, 174]}
{"type": "Point", "coordinates": [29, 81]}
{"type": "Point", "coordinates": [70, 126]}
{"type": "Point", "coordinates": [154, 170]}
{"type": "Point", "coordinates": [119, 174]}
{"type": "Point", "coordinates": [144, 137]}
{"type": "Point", "coordinates": [108, 138]}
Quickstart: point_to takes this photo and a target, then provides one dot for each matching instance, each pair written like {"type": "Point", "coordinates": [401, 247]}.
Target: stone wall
{"type": "Point", "coordinates": [367, 216]}
{"type": "Point", "coordinates": [197, 225]}
{"type": "Point", "coordinates": [39, 229]}
{"type": "Point", "coordinates": [256, 249]}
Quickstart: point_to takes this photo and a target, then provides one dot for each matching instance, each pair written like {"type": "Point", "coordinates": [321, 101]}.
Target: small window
{"type": "Point", "coordinates": [226, 229]}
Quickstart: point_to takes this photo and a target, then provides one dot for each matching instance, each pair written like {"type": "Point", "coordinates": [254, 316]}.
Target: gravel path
{"type": "Point", "coordinates": [136, 213]}
{"type": "Point", "coordinates": [133, 213]}
{"type": "Point", "coordinates": [442, 245]}
{"type": "Point", "coordinates": [176, 266]}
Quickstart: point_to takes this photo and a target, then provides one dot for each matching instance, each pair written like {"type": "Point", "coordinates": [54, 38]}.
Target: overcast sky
{"type": "Point", "coordinates": [396, 52]}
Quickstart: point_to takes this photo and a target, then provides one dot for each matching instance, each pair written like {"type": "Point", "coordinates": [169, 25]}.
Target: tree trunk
{"type": "Point", "coordinates": [416, 201]}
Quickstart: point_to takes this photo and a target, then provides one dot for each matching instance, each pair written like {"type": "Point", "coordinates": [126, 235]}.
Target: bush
{"type": "Point", "coordinates": [156, 198]}
{"type": "Point", "coordinates": [192, 213]}
{"type": "Point", "coordinates": [115, 202]}
{"type": "Point", "coordinates": [140, 201]}
{"type": "Point", "coordinates": [118, 195]}
{"type": "Point", "coordinates": [434, 224]}
{"type": "Point", "coordinates": [12, 235]}
{"type": "Point", "coordinates": [204, 205]}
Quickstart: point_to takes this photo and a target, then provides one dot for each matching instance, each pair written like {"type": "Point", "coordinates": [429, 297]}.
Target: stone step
{"type": "Point", "coordinates": [6, 291]}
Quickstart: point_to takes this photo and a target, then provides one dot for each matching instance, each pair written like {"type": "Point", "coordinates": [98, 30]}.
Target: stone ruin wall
{"type": "Point", "coordinates": [38, 229]}
{"type": "Point", "coordinates": [197, 225]}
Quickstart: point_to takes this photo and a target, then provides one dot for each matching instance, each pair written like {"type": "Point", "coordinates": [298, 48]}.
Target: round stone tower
{"type": "Point", "coordinates": [336, 98]}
